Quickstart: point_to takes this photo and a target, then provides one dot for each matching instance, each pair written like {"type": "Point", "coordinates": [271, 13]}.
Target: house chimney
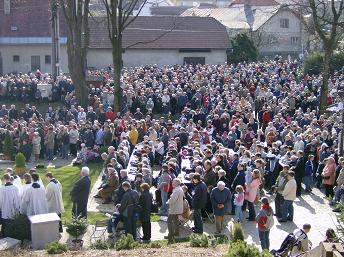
{"type": "Point", "coordinates": [7, 6]}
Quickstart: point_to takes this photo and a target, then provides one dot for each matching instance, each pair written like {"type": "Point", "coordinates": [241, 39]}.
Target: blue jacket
{"type": "Point", "coordinates": [220, 197]}
{"type": "Point", "coordinates": [309, 168]}
{"type": "Point", "coordinates": [200, 196]}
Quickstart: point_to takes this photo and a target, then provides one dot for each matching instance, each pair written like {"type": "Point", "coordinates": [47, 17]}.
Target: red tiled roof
{"type": "Point", "coordinates": [30, 17]}
{"type": "Point", "coordinates": [255, 2]}
{"type": "Point", "coordinates": [164, 32]}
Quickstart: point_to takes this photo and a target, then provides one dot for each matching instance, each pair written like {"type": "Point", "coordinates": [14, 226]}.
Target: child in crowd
{"type": "Point", "coordinates": [239, 198]}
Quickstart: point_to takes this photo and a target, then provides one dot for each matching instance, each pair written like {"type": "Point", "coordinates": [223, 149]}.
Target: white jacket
{"type": "Point", "coordinates": [176, 201]}
{"type": "Point", "coordinates": [289, 192]}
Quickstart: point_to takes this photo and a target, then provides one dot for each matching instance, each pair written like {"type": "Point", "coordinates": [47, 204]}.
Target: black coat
{"type": "Point", "coordinates": [80, 191]}
{"type": "Point", "coordinates": [200, 196]}
{"type": "Point", "coordinates": [145, 202]}
{"type": "Point", "coordinates": [300, 168]}
{"type": "Point", "coordinates": [238, 180]}
{"type": "Point", "coordinates": [129, 201]}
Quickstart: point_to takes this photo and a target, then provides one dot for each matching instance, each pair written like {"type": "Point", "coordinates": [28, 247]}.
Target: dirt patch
{"type": "Point", "coordinates": [176, 250]}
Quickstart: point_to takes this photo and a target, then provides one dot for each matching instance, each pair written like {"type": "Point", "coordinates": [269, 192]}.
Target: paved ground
{"type": "Point", "coordinates": [58, 162]}
{"type": "Point", "coordinates": [310, 208]}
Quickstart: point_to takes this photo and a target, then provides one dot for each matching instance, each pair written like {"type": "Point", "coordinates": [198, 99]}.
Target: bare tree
{"type": "Point", "coordinates": [76, 14]}
{"type": "Point", "coordinates": [119, 16]}
{"type": "Point", "coordinates": [327, 22]}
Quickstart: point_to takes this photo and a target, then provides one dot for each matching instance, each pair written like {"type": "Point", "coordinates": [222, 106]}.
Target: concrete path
{"type": "Point", "coordinates": [311, 208]}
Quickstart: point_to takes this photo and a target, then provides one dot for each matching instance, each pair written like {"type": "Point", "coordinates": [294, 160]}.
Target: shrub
{"type": "Point", "coordinates": [18, 228]}
{"type": "Point", "coordinates": [203, 240]}
{"type": "Point", "coordinates": [244, 49]}
{"type": "Point", "coordinates": [314, 63]}
{"type": "Point", "coordinates": [20, 160]}
{"type": "Point", "coordinates": [242, 249]}
{"type": "Point", "coordinates": [100, 245]}
{"type": "Point", "coordinates": [8, 145]}
{"type": "Point", "coordinates": [126, 242]}
{"type": "Point", "coordinates": [103, 149]}
{"type": "Point", "coordinates": [237, 232]}
{"type": "Point", "coordinates": [76, 227]}
{"type": "Point", "coordinates": [56, 248]}
{"type": "Point", "coordinates": [40, 166]}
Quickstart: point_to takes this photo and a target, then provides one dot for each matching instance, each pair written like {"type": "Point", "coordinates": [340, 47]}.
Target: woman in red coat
{"type": "Point", "coordinates": [329, 176]}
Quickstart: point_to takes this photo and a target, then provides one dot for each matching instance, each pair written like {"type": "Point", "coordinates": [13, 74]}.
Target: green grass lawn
{"type": "Point", "coordinates": [67, 176]}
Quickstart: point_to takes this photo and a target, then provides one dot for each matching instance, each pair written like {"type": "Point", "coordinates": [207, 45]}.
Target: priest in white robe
{"type": "Point", "coordinates": [27, 183]}
{"type": "Point", "coordinates": [34, 201]}
{"type": "Point", "coordinates": [53, 194]}
{"type": "Point", "coordinates": [9, 201]}
{"type": "Point", "coordinates": [15, 180]}
{"type": "Point", "coordinates": [40, 182]}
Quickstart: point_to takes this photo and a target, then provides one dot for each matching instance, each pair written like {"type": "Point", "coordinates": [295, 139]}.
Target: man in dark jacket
{"type": "Point", "coordinates": [238, 180]}
{"type": "Point", "coordinates": [80, 192]}
{"type": "Point", "coordinates": [145, 202]}
{"type": "Point", "coordinates": [299, 172]}
{"type": "Point", "coordinates": [199, 201]}
{"type": "Point", "coordinates": [128, 209]}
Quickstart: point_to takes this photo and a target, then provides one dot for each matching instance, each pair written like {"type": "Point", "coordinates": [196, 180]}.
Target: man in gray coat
{"type": "Point", "coordinates": [175, 208]}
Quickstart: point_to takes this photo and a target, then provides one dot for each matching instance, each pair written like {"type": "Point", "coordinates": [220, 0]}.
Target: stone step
{"type": "Point", "coordinates": [9, 243]}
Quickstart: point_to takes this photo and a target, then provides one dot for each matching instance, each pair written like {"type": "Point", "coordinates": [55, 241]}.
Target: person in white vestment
{"type": "Point", "coordinates": [15, 180]}
{"type": "Point", "coordinates": [9, 201]}
{"type": "Point", "coordinates": [34, 201]}
{"type": "Point", "coordinates": [53, 194]}
{"type": "Point", "coordinates": [40, 182]}
{"type": "Point", "coordinates": [27, 183]}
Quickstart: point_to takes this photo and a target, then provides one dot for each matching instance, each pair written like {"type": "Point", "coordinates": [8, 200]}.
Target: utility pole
{"type": "Point", "coordinates": [55, 40]}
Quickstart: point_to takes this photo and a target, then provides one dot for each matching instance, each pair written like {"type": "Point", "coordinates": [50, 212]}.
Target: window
{"type": "Point", "coordinates": [194, 60]}
{"type": "Point", "coordinates": [35, 62]}
{"type": "Point", "coordinates": [47, 59]}
{"type": "Point", "coordinates": [294, 40]}
{"type": "Point", "coordinates": [16, 58]}
{"type": "Point", "coordinates": [284, 23]}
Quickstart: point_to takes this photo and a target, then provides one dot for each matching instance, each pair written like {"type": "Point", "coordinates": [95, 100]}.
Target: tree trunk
{"type": "Point", "coordinates": [117, 65]}
{"type": "Point", "coordinates": [77, 73]}
{"type": "Point", "coordinates": [326, 77]}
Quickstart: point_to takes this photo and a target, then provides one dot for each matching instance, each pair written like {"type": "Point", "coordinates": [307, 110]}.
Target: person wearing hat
{"type": "Point", "coordinates": [289, 195]}
{"type": "Point", "coordinates": [264, 223]}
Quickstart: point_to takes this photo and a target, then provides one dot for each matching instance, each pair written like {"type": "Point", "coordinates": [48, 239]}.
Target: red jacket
{"type": "Point", "coordinates": [262, 218]}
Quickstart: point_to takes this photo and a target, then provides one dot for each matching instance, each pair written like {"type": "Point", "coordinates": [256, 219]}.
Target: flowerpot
{"type": "Point", "coordinates": [20, 171]}
{"type": "Point", "coordinates": [77, 244]}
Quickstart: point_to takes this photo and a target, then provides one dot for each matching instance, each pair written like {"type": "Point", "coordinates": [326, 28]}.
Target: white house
{"type": "Point", "coordinates": [157, 40]}
{"type": "Point", "coordinates": [275, 28]}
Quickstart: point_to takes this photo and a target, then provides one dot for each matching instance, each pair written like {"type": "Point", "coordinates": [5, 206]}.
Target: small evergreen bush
{"type": "Point", "coordinates": [203, 240]}
{"type": "Point", "coordinates": [8, 145]}
{"type": "Point", "coordinates": [100, 245]}
{"type": "Point", "coordinates": [242, 249]}
{"type": "Point", "coordinates": [56, 248]}
{"type": "Point", "coordinates": [20, 160]}
{"type": "Point", "coordinates": [237, 233]}
{"type": "Point", "coordinates": [126, 242]}
{"type": "Point", "coordinates": [76, 227]}
{"type": "Point", "coordinates": [18, 228]}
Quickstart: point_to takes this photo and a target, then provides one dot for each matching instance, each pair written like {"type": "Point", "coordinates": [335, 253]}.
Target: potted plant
{"type": "Point", "coordinates": [76, 227]}
{"type": "Point", "coordinates": [19, 164]}
{"type": "Point", "coordinates": [8, 146]}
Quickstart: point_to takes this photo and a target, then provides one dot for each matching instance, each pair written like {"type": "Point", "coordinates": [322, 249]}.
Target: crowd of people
{"type": "Point", "coordinates": [221, 136]}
